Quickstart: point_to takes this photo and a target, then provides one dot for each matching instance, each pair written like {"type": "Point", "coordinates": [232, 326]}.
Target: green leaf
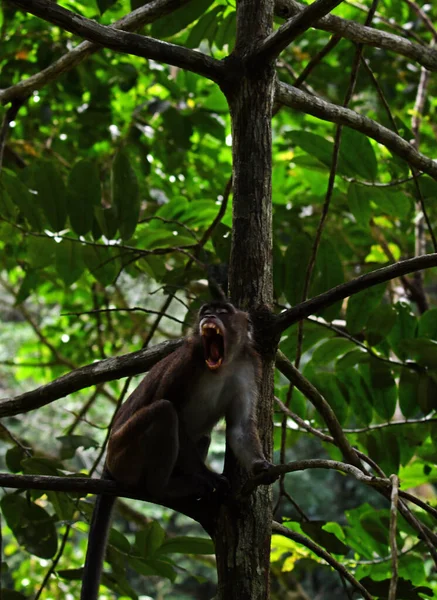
{"type": "Point", "coordinates": [383, 448]}
{"type": "Point", "coordinates": [380, 323]}
{"type": "Point", "coordinates": [83, 195]}
{"type": "Point", "coordinates": [32, 526]}
{"type": "Point", "coordinates": [360, 400]}
{"type": "Point", "coordinates": [7, 208]}
{"type": "Point", "coordinates": [405, 589]}
{"type": "Point", "coordinates": [14, 457]}
{"type": "Point", "coordinates": [107, 222]}
{"type": "Point", "coordinates": [376, 526]}
{"type": "Point", "coordinates": [41, 251]}
{"type": "Point", "coordinates": [51, 193]}
{"type": "Point", "coordinates": [428, 324]}
{"type": "Point", "coordinates": [408, 391]}
{"type": "Point", "coordinates": [180, 127]}
{"type": "Point", "coordinates": [357, 155]}
{"type": "Point", "coordinates": [361, 305]}
{"type": "Point", "coordinates": [226, 32]}
{"type": "Point", "coordinates": [69, 261]}
{"type": "Point", "coordinates": [29, 283]}
{"type": "Point", "coordinates": [331, 350]}
{"type": "Point", "coordinates": [383, 389]}
{"type": "Point", "coordinates": [313, 144]}
{"type": "Point", "coordinates": [391, 202]}
{"type": "Point", "coordinates": [314, 529]}
{"type": "Point", "coordinates": [328, 273]}
{"type": "Point", "coordinates": [180, 18]}
{"type": "Point", "coordinates": [423, 350]}
{"type": "Point", "coordinates": [187, 545]}
{"type": "Point", "coordinates": [205, 28]}
{"type": "Point", "coordinates": [153, 567]}
{"type": "Point", "coordinates": [351, 359]}
{"type": "Point", "coordinates": [149, 539]}
{"type": "Point", "coordinates": [20, 195]}
{"type": "Point", "coordinates": [125, 194]}
{"type": "Point", "coordinates": [296, 261]}
{"type": "Point", "coordinates": [359, 203]}
{"type": "Point", "coordinates": [103, 5]}
{"type": "Point", "coordinates": [119, 541]}
{"type": "Point", "coordinates": [216, 101]}
{"type": "Point", "coordinates": [102, 262]}
{"type": "Point", "coordinates": [404, 329]}
{"type": "Point", "coordinates": [327, 384]}
{"type": "Point", "coordinates": [70, 443]}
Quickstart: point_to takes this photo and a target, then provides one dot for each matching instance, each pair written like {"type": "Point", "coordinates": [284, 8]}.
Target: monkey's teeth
{"type": "Point", "coordinates": [206, 326]}
{"type": "Point", "coordinates": [213, 365]}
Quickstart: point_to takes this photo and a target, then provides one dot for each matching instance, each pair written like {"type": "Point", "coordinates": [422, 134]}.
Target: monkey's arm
{"type": "Point", "coordinates": [241, 427]}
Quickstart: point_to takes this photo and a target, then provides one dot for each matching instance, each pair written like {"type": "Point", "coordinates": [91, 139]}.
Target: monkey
{"type": "Point", "coordinates": [160, 436]}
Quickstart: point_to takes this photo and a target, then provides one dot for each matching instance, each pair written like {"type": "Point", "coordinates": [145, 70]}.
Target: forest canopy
{"type": "Point", "coordinates": [140, 146]}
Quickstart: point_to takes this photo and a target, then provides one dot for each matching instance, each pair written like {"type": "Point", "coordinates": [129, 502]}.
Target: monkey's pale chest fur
{"type": "Point", "coordinates": [211, 396]}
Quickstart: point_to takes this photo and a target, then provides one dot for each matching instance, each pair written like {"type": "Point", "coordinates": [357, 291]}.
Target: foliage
{"type": "Point", "coordinates": [112, 176]}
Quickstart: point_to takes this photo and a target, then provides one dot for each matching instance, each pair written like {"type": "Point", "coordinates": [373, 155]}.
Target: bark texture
{"type": "Point", "coordinates": [244, 528]}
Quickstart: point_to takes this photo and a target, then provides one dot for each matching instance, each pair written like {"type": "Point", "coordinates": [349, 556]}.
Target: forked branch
{"type": "Point", "coordinates": [277, 41]}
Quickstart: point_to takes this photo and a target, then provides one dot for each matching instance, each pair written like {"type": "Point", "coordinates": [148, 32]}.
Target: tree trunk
{"type": "Point", "coordinates": [244, 528]}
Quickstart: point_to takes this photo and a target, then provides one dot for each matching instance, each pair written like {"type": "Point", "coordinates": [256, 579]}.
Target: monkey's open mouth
{"type": "Point", "coordinates": [213, 345]}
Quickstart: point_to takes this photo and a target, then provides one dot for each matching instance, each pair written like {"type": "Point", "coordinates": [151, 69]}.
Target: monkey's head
{"type": "Point", "coordinates": [224, 332]}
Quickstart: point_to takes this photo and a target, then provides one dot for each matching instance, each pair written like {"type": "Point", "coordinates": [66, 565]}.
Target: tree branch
{"type": "Point", "coordinates": [291, 96]}
{"type": "Point", "coordinates": [145, 14]}
{"type": "Point", "coordinates": [360, 34]}
{"type": "Point", "coordinates": [344, 290]}
{"type": "Point", "coordinates": [277, 41]}
{"type": "Point", "coordinates": [203, 510]}
{"type": "Point", "coordinates": [121, 41]}
{"type": "Point", "coordinates": [98, 372]}
{"type": "Point", "coordinates": [321, 553]}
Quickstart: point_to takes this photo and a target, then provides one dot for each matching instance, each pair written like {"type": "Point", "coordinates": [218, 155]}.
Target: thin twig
{"type": "Point", "coordinates": [322, 553]}
{"type": "Point", "coordinates": [394, 498]}
{"type": "Point", "coordinates": [132, 309]}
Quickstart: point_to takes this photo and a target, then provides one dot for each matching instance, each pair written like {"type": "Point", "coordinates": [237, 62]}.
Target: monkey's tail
{"type": "Point", "coordinates": [97, 539]}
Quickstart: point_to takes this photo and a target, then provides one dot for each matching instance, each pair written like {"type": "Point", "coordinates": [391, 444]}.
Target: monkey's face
{"type": "Point", "coordinates": [223, 330]}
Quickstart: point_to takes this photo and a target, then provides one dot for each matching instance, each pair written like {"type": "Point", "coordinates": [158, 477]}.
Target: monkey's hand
{"type": "Point", "coordinates": [262, 469]}
{"type": "Point", "coordinates": [212, 483]}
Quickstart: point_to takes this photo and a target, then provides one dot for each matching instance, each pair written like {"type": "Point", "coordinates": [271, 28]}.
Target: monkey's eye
{"type": "Point", "coordinates": [222, 311]}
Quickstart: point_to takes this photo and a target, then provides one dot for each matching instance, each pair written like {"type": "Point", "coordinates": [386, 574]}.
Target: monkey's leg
{"type": "Point", "coordinates": [143, 451]}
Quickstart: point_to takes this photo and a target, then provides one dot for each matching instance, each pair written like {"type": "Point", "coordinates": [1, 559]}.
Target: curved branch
{"type": "Point", "coordinates": [99, 372]}
{"type": "Point", "coordinates": [277, 41]}
{"type": "Point", "coordinates": [321, 553]}
{"type": "Point", "coordinates": [344, 290]}
{"type": "Point", "coordinates": [319, 402]}
{"type": "Point", "coordinates": [361, 34]}
{"type": "Point", "coordinates": [291, 96]}
{"type": "Point", "coordinates": [134, 20]}
{"type": "Point", "coordinates": [122, 41]}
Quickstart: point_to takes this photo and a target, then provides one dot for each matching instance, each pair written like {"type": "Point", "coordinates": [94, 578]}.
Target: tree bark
{"type": "Point", "coordinates": [244, 528]}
